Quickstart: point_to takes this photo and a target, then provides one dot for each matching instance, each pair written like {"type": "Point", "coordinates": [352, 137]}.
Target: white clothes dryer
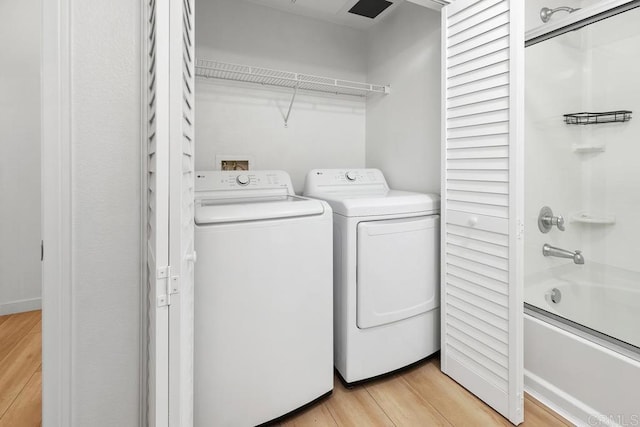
{"type": "Point", "coordinates": [263, 298]}
{"type": "Point", "coordinates": [386, 271]}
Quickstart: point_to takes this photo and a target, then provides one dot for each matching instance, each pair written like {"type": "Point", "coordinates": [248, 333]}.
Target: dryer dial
{"type": "Point", "coordinates": [242, 179]}
{"type": "Point", "coordinates": [351, 176]}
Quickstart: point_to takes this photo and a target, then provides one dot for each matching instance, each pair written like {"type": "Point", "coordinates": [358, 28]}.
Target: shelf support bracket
{"type": "Point", "coordinates": [286, 118]}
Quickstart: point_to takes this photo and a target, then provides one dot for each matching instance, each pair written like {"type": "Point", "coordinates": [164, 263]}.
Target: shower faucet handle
{"type": "Point", "coordinates": [546, 220]}
{"type": "Point", "coordinates": [558, 221]}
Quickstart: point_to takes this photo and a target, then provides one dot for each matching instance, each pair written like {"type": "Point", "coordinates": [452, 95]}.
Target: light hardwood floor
{"type": "Point", "coordinates": [420, 396]}
{"type": "Point", "coordinates": [20, 369]}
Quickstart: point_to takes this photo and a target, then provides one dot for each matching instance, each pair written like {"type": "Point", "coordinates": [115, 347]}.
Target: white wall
{"type": "Point", "coordinates": [324, 131]}
{"type": "Point", "coordinates": [20, 277]}
{"type": "Point", "coordinates": [403, 128]}
{"type": "Point", "coordinates": [588, 70]}
{"type": "Point", "coordinates": [399, 133]}
{"type": "Point", "coordinates": [106, 272]}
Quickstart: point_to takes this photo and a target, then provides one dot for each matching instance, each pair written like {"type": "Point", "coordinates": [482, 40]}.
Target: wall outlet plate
{"type": "Point", "coordinates": [234, 162]}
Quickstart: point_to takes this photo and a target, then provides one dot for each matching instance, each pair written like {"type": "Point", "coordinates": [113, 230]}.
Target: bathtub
{"type": "Point", "coordinates": [599, 297]}
{"type": "Point", "coordinates": [583, 377]}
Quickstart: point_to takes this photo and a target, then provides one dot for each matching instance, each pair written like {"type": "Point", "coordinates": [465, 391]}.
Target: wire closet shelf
{"type": "Point", "coordinates": [264, 76]}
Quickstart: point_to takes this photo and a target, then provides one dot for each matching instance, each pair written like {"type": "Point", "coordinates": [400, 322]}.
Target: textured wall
{"type": "Point", "coordinates": [20, 281]}
{"type": "Point", "coordinates": [105, 128]}
{"type": "Point", "coordinates": [324, 130]}
{"type": "Point", "coordinates": [403, 128]}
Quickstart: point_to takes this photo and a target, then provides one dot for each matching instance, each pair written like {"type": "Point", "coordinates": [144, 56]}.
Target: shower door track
{"type": "Point", "coordinates": [582, 331]}
{"type": "Point", "coordinates": [578, 21]}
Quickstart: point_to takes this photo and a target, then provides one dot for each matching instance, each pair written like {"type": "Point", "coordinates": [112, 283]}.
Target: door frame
{"type": "Point", "coordinates": [56, 214]}
{"type": "Point", "coordinates": [56, 219]}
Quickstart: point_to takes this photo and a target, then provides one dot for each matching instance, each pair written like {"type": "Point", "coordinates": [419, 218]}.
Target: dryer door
{"type": "Point", "coordinates": [398, 269]}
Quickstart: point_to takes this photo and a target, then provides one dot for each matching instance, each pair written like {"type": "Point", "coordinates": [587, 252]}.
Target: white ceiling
{"type": "Point", "coordinates": [336, 11]}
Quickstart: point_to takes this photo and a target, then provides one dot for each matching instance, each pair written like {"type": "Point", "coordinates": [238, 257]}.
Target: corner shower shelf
{"type": "Point", "coordinates": [586, 149]}
{"type": "Point", "coordinates": [587, 218]}
{"type": "Point", "coordinates": [264, 76]}
{"type": "Point", "coordinates": [597, 118]}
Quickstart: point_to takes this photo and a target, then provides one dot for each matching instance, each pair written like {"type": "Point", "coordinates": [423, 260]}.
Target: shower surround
{"type": "Point", "coordinates": [589, 175]}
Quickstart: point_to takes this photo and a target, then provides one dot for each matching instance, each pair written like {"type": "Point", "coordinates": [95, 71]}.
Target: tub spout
{"type": "Point", "coordinates": [548, 250]}
{"type": "Point", "coordinates": [578, 258]}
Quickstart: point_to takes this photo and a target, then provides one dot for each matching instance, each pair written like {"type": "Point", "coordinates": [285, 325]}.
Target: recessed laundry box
{"type": "Point", "coordinates": [386, 271]}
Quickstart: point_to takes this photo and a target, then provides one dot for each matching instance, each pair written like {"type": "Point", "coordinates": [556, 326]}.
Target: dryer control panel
{"type": "Point", "coordinates": [336, 179]}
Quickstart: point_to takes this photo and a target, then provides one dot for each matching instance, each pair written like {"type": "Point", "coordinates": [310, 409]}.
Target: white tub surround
{"type": "Point", "coordinates": [586, 383]}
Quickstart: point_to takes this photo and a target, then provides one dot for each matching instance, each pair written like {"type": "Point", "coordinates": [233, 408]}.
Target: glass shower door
{"type": "Point", "coordinates": [582, 164]}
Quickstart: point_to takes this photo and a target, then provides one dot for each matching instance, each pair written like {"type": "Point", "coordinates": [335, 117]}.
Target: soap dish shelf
{"type": "Point", "coordinates": [586, 118]}
{"type": "Point", "coordinates": [587, 218]}
{"type": "Point", "coordinates": [586, 149]}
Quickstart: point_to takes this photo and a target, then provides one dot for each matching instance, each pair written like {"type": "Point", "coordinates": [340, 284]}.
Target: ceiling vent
{"type": "Point", "coordinates": [370, 8]}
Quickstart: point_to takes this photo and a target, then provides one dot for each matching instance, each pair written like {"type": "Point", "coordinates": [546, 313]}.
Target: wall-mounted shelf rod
{"type": "Point", "coordinates": [293, 98]}
{"type": "Point", "coordinates": [244, 73]}
{"type": "Point", "coordinates": [264, 76]}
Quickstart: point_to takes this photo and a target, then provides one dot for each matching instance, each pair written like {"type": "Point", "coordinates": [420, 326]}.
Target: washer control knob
{"type": "Point", "coordinates": [242, 179]}
{"type": "Point", "coordinates": [351, 176]}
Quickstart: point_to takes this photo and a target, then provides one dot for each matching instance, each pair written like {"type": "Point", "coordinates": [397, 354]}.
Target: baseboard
{"type": "Point", "coordinates": [20, 306]}
{"type": "Point", "coordinates": [572, 409]}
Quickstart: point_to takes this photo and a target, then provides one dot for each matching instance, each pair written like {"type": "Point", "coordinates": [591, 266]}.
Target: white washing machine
{"type": "Point", "coordinates": [263, 298]}
{"type": "Point", "coordinates": [386, 271]}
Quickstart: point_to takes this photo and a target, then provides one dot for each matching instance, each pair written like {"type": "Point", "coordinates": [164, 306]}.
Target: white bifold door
{"type": "Point", "coordinates": [482, 200]}
{"type": "Point", "coordinates": [169, 98]}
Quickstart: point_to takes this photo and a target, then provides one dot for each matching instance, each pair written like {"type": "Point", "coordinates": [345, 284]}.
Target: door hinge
{"type": "Point", "coordinates": [171, 285]}
{"type": "Point", "coordinates": [520, 230]}
{"type": "Point", "coordinates": [520, 407]}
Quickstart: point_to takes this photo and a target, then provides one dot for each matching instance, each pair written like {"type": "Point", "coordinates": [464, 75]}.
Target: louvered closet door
{"type": "Point", "coordinates": [157, 199]}
{"type": "Point", "coordinates": [482, 200]}
{"type": "Point", "coordinates": [170, 172]}
{"type": "Point", "coordinates": [181, 216]}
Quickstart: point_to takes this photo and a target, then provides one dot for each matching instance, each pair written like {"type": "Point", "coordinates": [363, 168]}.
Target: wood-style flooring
{"type": "Point", "coordinates": [420, 396]}
{"type": "Point", "coordinates": [20, 369]}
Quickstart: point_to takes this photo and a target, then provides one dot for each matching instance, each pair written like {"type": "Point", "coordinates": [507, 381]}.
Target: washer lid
{"type": "Point", "coordinates": [388, 202]}
{"type": "Point", "coordinates": [239, 209]}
